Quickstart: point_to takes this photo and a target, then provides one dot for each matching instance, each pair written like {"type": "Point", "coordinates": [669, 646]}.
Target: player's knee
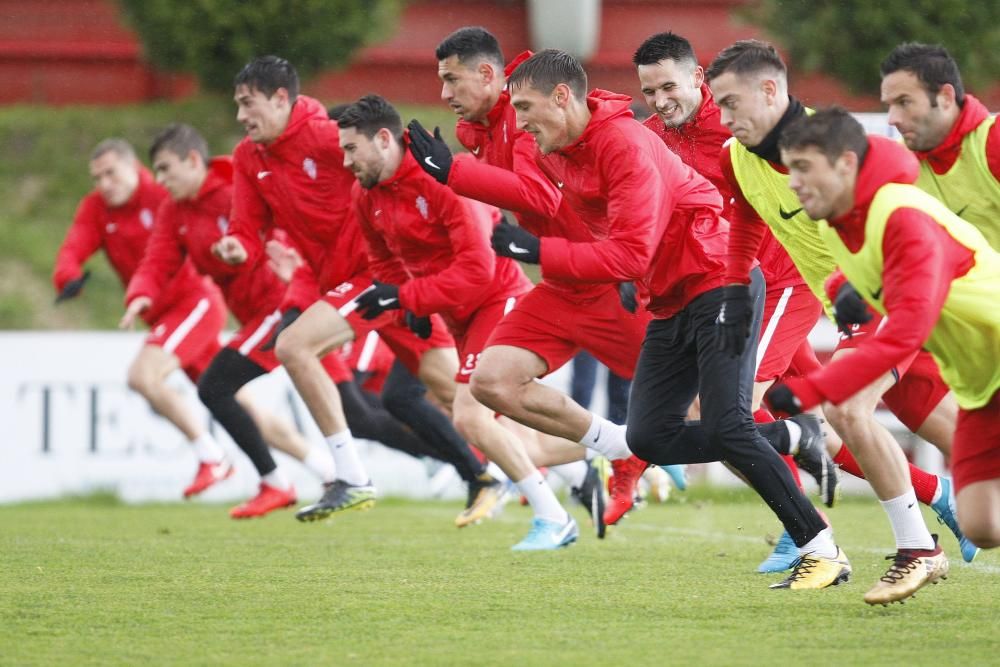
{"type": "Point", "coordinates": [289, 352]}
{"type": "Point", "coordinates": [653, 441]}
{"type": "Point", "coordinates": [982, 528]}
{"type": "Point", "coordinates": [848, 418]}
{"type": "Point", "coordinates": [492, 390]}
{"type": "Point", "coordinates": [139, 380]}
{"type": "Point", "coordinates": [209, 392]}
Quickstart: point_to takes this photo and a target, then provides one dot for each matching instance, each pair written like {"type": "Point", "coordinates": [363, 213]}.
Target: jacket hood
{"type": "Point", "coordinates": [605, 107]}
{"type": "Point", "coordinates": [305, 110]}
{"type": "Point", "coordinates": [944, 154]}
{"type": "Point", "coordinates": [220, 175]}
{"type": "Point", "coordinates": [887, 161]}
{"type": "Point", "coordinates": [512, 65]}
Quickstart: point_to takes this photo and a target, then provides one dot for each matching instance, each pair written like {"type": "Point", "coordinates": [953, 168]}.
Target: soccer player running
{"type": "Point", "coordinates": [665, 231]}
{"type": "Point", "coordinates": [559, 316]}
{"type": "Point", "coordinates": [289, 174]}
{"type": "Point", "coordinates": [186, 319]}
{"type": "Point", "coordinates": [954, 136]}
{"type": "Point", "coordinates": [188, 224]}
{"type": "Point", "coordinates": [749, 82]}
{"type": "Point", "coordinates": [428, 241]}
{"type": "Point", "coordinates": [935, 278]}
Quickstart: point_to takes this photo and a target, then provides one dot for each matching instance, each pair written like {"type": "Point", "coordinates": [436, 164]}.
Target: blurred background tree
{"type": "Point", "coordinates": [213, 39]}
{"type": "Point", "coordinates": [849, 38]}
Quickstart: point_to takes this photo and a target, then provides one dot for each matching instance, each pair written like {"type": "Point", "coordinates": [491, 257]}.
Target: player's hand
{"type": "Point", "coordinates": [282, 260]}
{"type": "Point", "coordinates": [378, 299]}
{"type": "Point", "coordinates": [849, 308]}
{"type": "Point", "coordinates": [135, 308]}
{"type": "Point", "coordinates": [781, 397]}
{"type": "Point", "coordinates": [229, 250]}
{"type": "Point", "coordinates": [418, 325]}
{"type": "Point", "coordinates": [733, 323]}
{"type": "Point", "coordinates": [73, 287]}
{"type": "Point", "coordinates": [516, 242]}
{"type": "Point", "coordinates": [432, 153]}
{"type": "Point", "coordinates": [287, 318]}
{"type": "Point", "coordinates": [627, 295]}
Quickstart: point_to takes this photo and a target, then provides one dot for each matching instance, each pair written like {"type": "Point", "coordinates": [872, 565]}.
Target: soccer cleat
{"type": "Point", "coordinates": [655, 482]}
{"type": "Point", "coordinates": [548, 535]}
{"type": "Point", "coordinates": [268, 499]}
{"type": "Point", "coordinates": [624, 477]}
{"type": "Point", "coordinates": [911, 570]}
{"type": "Point", "coordinates": [485, 493]}
{"type": "Point", "coordinates": [813, 572]}
{"type": "Point", "coordinates": [207, 475]}
{"type": "Point", "coordinates": [782, 558]}
{"type": "Point", "coordinates": [339, 496]}
{"type": "Point", "coordinates": [944, 507]}
{"type": "Point", "coordinates": [591, 496]}
{"type": "Point", "coordinates": [678, 475]}
{"type": "Point", "coordinates": [813, 458]}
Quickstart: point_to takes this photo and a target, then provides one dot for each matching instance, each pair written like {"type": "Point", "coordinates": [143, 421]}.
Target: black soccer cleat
{"type": "Point", "coordinates": [339, 496]}
{"type": "Point", "coordinates": [591, 495]}
{"type": "Point", "coordinates": [814, 459]}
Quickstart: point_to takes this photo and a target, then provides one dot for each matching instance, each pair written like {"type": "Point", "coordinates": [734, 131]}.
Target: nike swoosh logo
{"type": "Point", "coordinates": [597, 438]}
{"type": "Point", "coordinates": [910, 506]}
{"type": "Point", "coordinates": [261, 175]}
{"type": "Point", "coordinates": [960, 211]}
{"type": "Point", "coordinates": [430, 163]}
{"type": "Point", "coordinates": [559, 184]}
{"type": "Point", "coordinates": [466, 371]}
{"type": "Point", "coordinates": [386, 302]}
{"type": "Point", "coordinates": [515, 249]}
{"type": "Point", "coordinates": [567, 529]}
{"type": "Point", "coordinates": [475, 151]}
{"type": "Point", "coordinates": [877, 293]}
{"type": "Point", "coordinates": [786, 215]}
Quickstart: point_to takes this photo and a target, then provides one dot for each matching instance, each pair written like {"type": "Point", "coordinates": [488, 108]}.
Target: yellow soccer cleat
{"type": "Point", "coordinates": [910, 571]}
{"type": "Point", "coordinates": [813, 572]}
{"type": "Point", "coordinates": [485, 494]}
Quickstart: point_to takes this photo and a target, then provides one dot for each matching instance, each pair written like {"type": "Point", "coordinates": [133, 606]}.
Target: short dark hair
{"type": "Point", "coordinates": [119, 147]}
{"type": "Point", "coordinates": [370, 114]}
{"type": "Point", "coordinates": [547, 69]}
{"type": "Point", "coordinates": [468, 43]}
{"type": "Point", "coordinates": [336, 111]}
{"type": "Point", "coordinates": [930, 63]}
{"type": "Point", "coordinates": [267, 74]}
{"type": "Point", "coordinates": [664, 46]}
{"type": "Point", "coordinates": [179, 139]}
{"type": "Point", "coordinates": [832, 130]}
{"type": "Point", "coordinates": [747, 56]}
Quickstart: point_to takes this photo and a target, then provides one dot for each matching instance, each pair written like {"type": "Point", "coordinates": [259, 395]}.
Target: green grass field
{"type": "Point", "coordinates": [95, 582]}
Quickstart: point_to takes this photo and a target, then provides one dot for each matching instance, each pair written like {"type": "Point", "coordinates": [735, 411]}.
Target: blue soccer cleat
{"type": "Point", "coordinates": [782, 558]}
{"type": "Point", "coordinates": [548, 535]}
{"type": "Point", "coordinates": [678, 475]}
{"type": "Point", "coordinates": [944, 507]}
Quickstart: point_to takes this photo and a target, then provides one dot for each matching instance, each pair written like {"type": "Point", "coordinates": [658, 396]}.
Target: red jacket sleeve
{"type": "Point", "coordinates": [746, 228]}
{"type": "Point", "coordinates": [634, 210]}
{"type": "Point", "coordinates": [382, 263]}
{"type": "Point", "coordinates": [833, 284]}
{"type": "Point", "coordinates": [993, 150]}
{"type": "Point", "coordinates": [302, 291]}
{"type": "Point", "coordinates": [920, 261]}
{"type": "Point", "coordinates": [251, 217]}
{"type": "Point", "coordinates": [470, 270]}
{"type": "Point", "coordinates": [162, 259]}
{"type": "Point", "coordinates": [522, 189]}
{"type": "Point", "coordinates": [83, 239]}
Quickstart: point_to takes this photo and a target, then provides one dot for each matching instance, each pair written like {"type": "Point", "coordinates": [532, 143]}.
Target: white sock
{"type": "Point", "coordinates": [207, 449]}
{"type": "Point", "coordinates": [590, 454]}
{"type": "Point", "coordinates": [345, 457]}
{"type": "Point", "coordinates": [277, 480]}
{"type": "Point", "coordinates": [822, 545]}
{"type": "Point", "coordinates": [540, 497]}
{"type": "Point", "coordinates": [571, 473]}
{"type": "Point", "coordinates": [494, 471]}
{"type": "Point", "coordinates": [606, 437]}
{"type": "Point", "coordinates": [907, 522]}
{"type": "Point", "coordinates": [794, 435]}
{"type": "Point", "coordinates": [320, 461]}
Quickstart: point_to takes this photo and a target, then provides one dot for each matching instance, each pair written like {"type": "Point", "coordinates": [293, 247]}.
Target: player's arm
{"type": "Point", "coordinates": [83, 239]}
{"type": "Point", "coordinates": [248, 224]}
{"type": "Point", "coordinates": [162, 259]}
{"type": "Point", "coordinates": [472, 266]}
{"type": "Point", "coordinates": [634, 208]}
{"type": "Point", "coordinates": [920, 261]}
{"type": "Point", "coordinates": [746, 228]}
{"type": "Point", "coordinates": [993, 150]}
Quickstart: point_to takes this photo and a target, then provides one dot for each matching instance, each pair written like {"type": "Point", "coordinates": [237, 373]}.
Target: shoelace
{"type": "Point", "coordinates": [802, 567]}
{"type": "Point", "coordinates": [902, 565]}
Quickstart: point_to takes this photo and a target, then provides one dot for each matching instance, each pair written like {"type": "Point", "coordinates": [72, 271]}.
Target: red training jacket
{"type": "Point", "coordinates": [298, 183]}
{"type": "Point", "coordinates": [656, 220]}
{"type": "Point", "coordinates": [699, 143]}
{"type": "Point", "coordinates": [920, 261]}
{"type": "Point", "coordinates": [189, 228]}
{"type": "Point", "coordinates": [414, 224]}
{"type": "Point", "coordinates": [122, 233]}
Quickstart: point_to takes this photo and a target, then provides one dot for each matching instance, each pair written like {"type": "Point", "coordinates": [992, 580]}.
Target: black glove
{"type": "Point", "coordinates": [287, 318]}
{"type": "Point", "coordinates": [73, 287]}
{"type": "Point", "coordinates": [849, 308]}
{"type": "Point", "coordinates": [380, 298]}
{"type": "Point", "coordinates": [626, 294]}
{"type": "Point", "coordinates": [517, 243]}
{"type": "Point", "coordinates": [418, 325]}
{"type": "Point", "coordinates": [432, 153]}
{"type": "Point", "coordinates": [733, 323]}
{"type": "Point", "coordinates": [784, 399]}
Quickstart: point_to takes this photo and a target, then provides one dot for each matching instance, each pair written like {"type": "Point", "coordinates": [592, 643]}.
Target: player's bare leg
{"type": "Point", "coordinates": [979, 512]}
